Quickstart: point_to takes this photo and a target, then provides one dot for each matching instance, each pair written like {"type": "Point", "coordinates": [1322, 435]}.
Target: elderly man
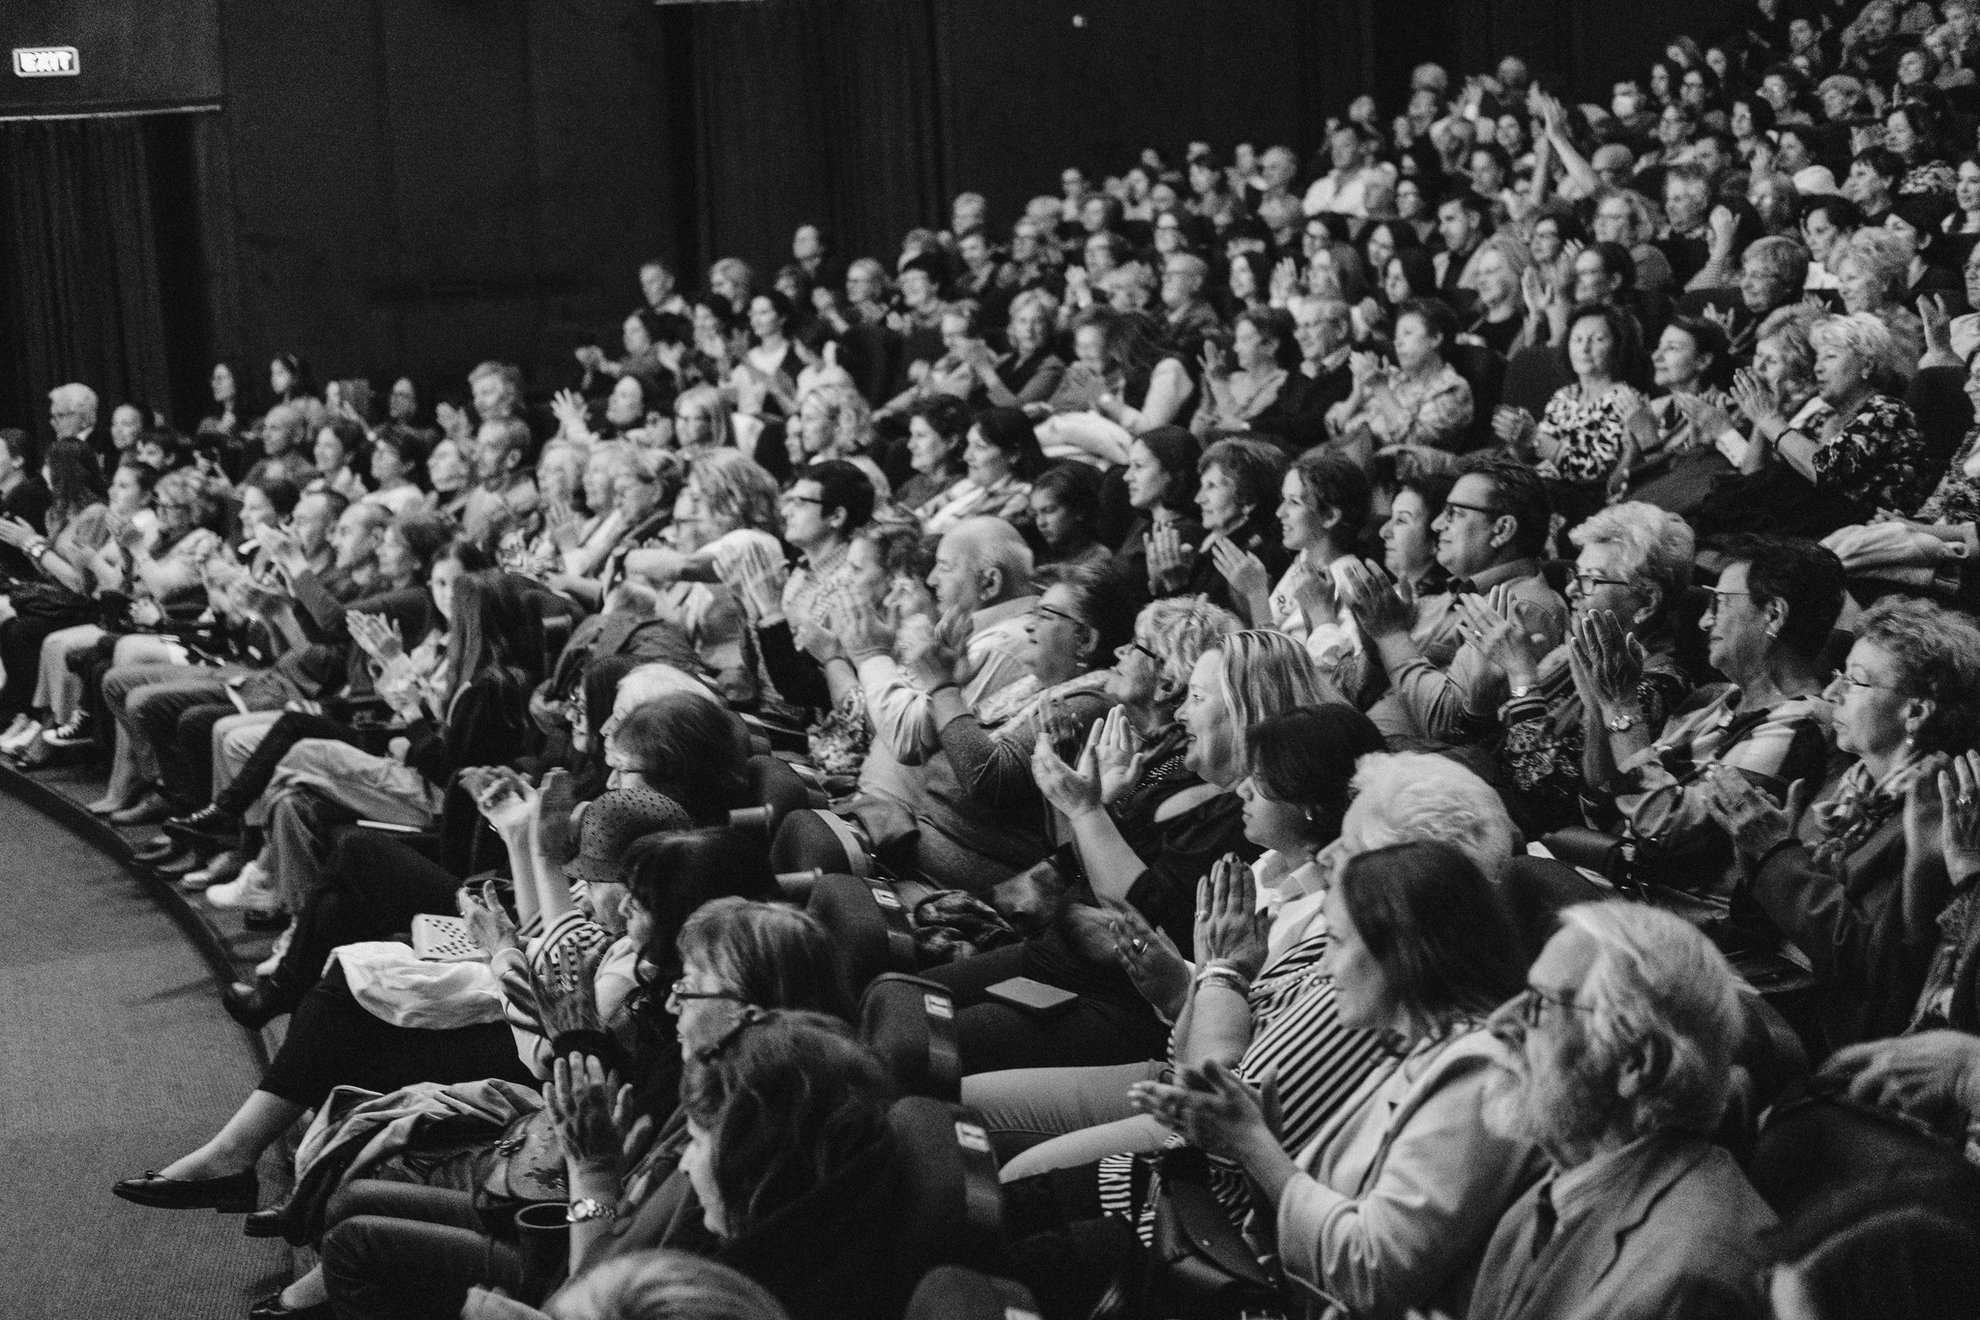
{"type": "Point", "coordinates": [1621, 1048]}
{"type": "Point", "coordinates": [1186, 313]}
{"type": "Point", "coordinates": [1323, 331]}
{"type": "Point", "coordinates": [505, 492]}
{"type": "Point", "coordinates": [72, 412]}
{"type": "Point", "coordinates": [1492, 533]}
{"type": "Point", "coordinates": [284, 432]}
{"type": "Point", "coordinates": [983, 583]}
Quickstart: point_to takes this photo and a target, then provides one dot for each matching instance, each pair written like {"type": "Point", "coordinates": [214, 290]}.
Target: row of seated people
{"type": "Point", "coordinates": [1190, 730]}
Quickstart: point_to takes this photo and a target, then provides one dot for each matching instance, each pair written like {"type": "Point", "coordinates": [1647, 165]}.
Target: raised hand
{"type": "Point", "coordinates": [1150, 959]}
{"type": "Point", "coordinates": [1937, 316]}
{"type": "Point", "coordinates": [863, 632]}
{"type": "Point", "coordinates": [1245, 571]}
{"type": "Point", "coordinates": [507, 801]}
{"type": "Point", "coordinates": [1747, 814]}
{"type": "Point", "coordinates": [1073, 791]}
{"type": "Point", "coordinates": [1170, 558]}
{"type": "Point", "coordinates": [581, 1096]}
{"type": "Point", "coordinates": [1501, 630]}
{"type": "Point", "coordinates": [1753, 398]}
{"type": "Point", "coordinates": [1211, 1107]}
{"type": "Point", "coordinates": [1511, 424]}
{"type": "Point", "coordinates": [936, 655]}
{"type": "Point", "coordinates": [1229, 927]}
{"type": "Point", "coordinates": [1371, 597]}
{"type": "Point", "coordinates": [1613, 658]}
{"type": "Point", "coordinates": [488, 922]}
{"type": "Point", "coordinates": [1117, 755]}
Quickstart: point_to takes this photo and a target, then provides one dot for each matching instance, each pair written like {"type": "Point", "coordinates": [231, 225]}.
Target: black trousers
{"type": "Point", "coordinates": [395, 1251]}
{"type": "Point", "coordinates": [1110, 1023]}
{"type": "Point", "coordinates": [373, 888]}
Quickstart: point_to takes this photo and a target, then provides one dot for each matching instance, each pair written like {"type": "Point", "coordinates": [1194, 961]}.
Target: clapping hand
{"type": "Point", "coordinates": [936, 655]}
{"type": "Point", "coordinates": [1957, 784]}
{"type": "Point", "coordinates": [1285, 281]}
{"type": "Point", "coordinates": [1116, 754]}
{"type": "Point", "coordinates": [1937, 317]}
{"type": "Point", "coordinates": [1072, 791]}
{"type": "Point", "coordinates": [1211, 1107]}
{"type": "Point", "coordinates": [562, 525]}
{"type": "Point", "coordinates": [1609, 660]}
{"type": "Point", "coordinates": [1244, 570]}
{"type": "Point", "coordinates": [569, 409]}
{"type": "Point", "coordinates": [1510, 424]}
{"type": "Point", "coordinates": [1708, 420]}
{"type": "Point", "coordinates": [1150, 959]}
{"type": "Point", "coordinates": [1499, 628]}
{"type": "Point", "coordinates": [487, 920]}
{"type": "Point", "coordinates": [16, 533]}
{"type": "Point", "coordinates": [864, 633]}
{"type": "Point", "coordinates": [1370, 594]}
{"type": "Point", "coordinates": [1750, 818]}
{"type": "Point", "coordinates": [1753, 398]}
{"type": "Point", "coordinates": [1931, 1073]}
{"type": "Point", "coordinates": [377, 638]}
{"type": "Point", "coordinates": [585, 1101]}
{"type": "Point", "coordinates": [1229, 927]}
{"type": "Point", "coordinates": [1170, 558]}
{"type": "Point", "coordinates": [505, 799]}
{"type": "Point", "coordinates": [1215, 367]}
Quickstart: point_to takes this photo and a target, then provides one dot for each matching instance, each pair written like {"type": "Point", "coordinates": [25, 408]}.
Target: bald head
{"type": "Point", "coordinates": [983, 562]}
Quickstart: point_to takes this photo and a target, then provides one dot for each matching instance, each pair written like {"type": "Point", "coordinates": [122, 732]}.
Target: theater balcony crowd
{"type": "Point", "coordinates": [1400, 731]}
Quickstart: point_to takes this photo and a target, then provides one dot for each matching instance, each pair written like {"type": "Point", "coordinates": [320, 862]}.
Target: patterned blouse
{"type": "Point", "coordinates": [1433, 410]}
{"type": "Point", "coordinates": [1877, 458]}
{"type": "Point", "coordinates": [1957, 499]}
{"type": "Point", "coordinates": [1590, 432]}
{"type": "Point", "coordinates": [1934, 176]}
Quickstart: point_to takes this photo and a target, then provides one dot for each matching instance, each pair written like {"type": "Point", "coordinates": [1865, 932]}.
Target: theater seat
{"type": "Point", "coordinates": [953, 1209]}
{"type": "Point", "coordinates": [1767, 1060]}
{"type": "Point", "coordinates": [777, 792]}
{"type": "Point", "coordinates": [950, 1292]}
{"type": "Point", "coordinates": [869, 926]}
{"type": "Point", "coordinates": [911, 1024]}
{"type": "Point", "coordinates": [809, 843]}
{"type": "Point", "coordinates": [1537, 888]}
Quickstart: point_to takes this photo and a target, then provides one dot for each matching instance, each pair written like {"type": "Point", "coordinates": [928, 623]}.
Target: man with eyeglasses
{"type": "Point", "coordinates": [1621, 1051]}
{"type": "Point", "coordinates": [1492, 533]}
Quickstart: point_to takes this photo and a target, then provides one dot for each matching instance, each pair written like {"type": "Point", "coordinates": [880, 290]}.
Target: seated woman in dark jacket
{"type": "Point", "coordinates": [407, 1238]}
{"type": "Point", "coordinates": [1237, 494]}
{"type": "Point", "coordinates": [1843, 884]}
{"type": "Point", "coordinates": [1147, 820]}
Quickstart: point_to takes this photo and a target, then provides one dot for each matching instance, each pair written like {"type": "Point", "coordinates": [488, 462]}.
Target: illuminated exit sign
{"type": "Point", "coordinates": [46, 62]}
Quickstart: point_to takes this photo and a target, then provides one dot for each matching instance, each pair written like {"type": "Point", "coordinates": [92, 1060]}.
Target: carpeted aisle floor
{"type": "Point", "coordinates": [114, 1057]}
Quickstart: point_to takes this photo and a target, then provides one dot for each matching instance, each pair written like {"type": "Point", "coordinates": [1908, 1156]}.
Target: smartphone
{"type": "Point", "coordinates": [1034, 997]}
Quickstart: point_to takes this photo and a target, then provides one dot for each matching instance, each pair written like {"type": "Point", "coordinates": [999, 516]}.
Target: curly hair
{"type": "Point", "coordinates": [1181, 629]}
{"type": "Point", "coordinates": [1937, 653]}
{"type": "Point", "coordinates": [851, 415]}
{"type": "Point", "coordinates": [734, 486]}
{"type": "Point", "coordinates": [1885, 257]}
{"type": "Point", "coordinates": [1405, 796]}
{"type": "Point", "coordinates": [1656, 546]}
{"type": "Point", "coordinates": [1659, 989]}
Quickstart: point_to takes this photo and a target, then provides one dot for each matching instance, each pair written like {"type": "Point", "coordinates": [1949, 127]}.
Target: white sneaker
{"type": "Point", "coordinates": [252, 883]}
{"type": "Point", "coordinates": [267, 966]}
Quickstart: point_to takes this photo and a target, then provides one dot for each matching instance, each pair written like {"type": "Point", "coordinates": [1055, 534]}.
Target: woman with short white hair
{"type": "Point", "coordinates": [1863, 456]}
{"type": "Point", "coordinates": [1874, 271]}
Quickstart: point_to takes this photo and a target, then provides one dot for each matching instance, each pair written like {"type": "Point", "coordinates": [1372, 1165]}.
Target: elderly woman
{"type": "Point", "coordinates": [1030, 373]}
{"type": "Point", "coordinates": [1863, 455]}
{"type": "Point", "coordinates": [1235, 397]}
{"type": "Point", "coordinates": [1769, 621]}
{"type": "Point", "coordinates": [1873, 269]}
{"type": "Point", "coordinates": [1852, 884]}
{"type": "Point", "coordinates": [1633, 570]}
{"type": "Point", "coordinates": [1420, 407]}
{"type": "Point", "coordinates": [1587, 439]}
{"type": "Point", "coordinates": [1236, 495]}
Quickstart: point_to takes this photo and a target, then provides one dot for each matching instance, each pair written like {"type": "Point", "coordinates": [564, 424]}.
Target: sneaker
{"type": "Point", "coordinates": [253, 886]}
{"type": "Point", "coordinates": [20, 733]}
{"type": "Point", "coordinates": [266, 967]}
{"type": "Point", "coordinates": [73, 732]}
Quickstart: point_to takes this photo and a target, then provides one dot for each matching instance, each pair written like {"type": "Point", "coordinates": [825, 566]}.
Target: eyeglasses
{"type": "Point", "coordinates": [751, 1015]}
{"type": "Point", "coordinates": [1838, 676]}
{"type": "Point", "coordinates": [1484, 510]}
{"type": "Point", "coordinates": [1719, 595]}
{"type": "Point", "coordinates": [679, 990]}
{"type": "Point", "coordinates": [1590, 581]}
{"type": "Point", "coordinates": [1533, 1002]}
{"type": "Point", "coordinates": [1053, 612]}
{"type": "Point", "coordinates": [792, 497]}
{"type": "Point", "coordinates": [1137, 646]}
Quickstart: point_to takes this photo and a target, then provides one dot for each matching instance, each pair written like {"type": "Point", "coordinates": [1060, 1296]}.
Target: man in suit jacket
{"type": "Point", "coordinates": [1621, 1049]}
{"type": "Point", "coordinates": [72, 412]}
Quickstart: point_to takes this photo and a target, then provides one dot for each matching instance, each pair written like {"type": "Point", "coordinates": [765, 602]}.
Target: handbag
{"type": "Point", "coordinates": [524, 1167]}
{"type": "Point", "coordinates": [1202, 1257]}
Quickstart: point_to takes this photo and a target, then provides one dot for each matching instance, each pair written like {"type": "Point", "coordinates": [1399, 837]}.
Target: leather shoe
{"type": "Point", "coordinates": [157, 848]}
{"type": "Point", "coordinates": [211, 823]}
{"type": "Point", "coordinates": [147, 810]}
{"type": "Point", "coordinates": [271, 1308]}
{"type": "Point", "coordinates": [181, 862]}
{"type": "Point", "coordinates": [270, 1223]}
{"type": "Point", "coordinates": [254, 1006]}
{"type": "Point", "coordinates": [264, 918]}
{"type": "Point", "coordinates": [233, 1194]}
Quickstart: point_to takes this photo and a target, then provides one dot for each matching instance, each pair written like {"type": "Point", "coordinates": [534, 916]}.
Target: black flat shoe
{"type": "Point", "coordinates": [210, 823]}
{"type": "Point", "coordinates": [181, 862]}
{"type": "Point", "coordinates": [273, 1222]}
{"type": "Point", "coordinates": [157, 848]}
{"type": "Point", "coordinates": [256, 919]}
{"type": "Point", "coordinates": [147, 810]}
{"type": "Point", "coordinates": [254, 1006]}
{"type": "Point", "coordinates": [271, 1308]}
{"type": "Point", "coordinates": [234, 1194]}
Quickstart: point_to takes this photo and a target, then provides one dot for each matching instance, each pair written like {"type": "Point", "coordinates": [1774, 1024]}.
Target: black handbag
{"type": "Point", "coordinates": [1206, 1266]}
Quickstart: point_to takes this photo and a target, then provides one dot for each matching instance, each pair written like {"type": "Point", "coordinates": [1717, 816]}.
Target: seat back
{"type": "Point", "coordinates": [1538, 888]}
{"type": "Point", "coordinates": [951, 1292]}
{"type": "Point", "coordinates": [1817, 1147]}
{"type": "Point", "coordinates": [1485, 371]}
{"type": "Point", "coordinates": [1768, 1058]}
{"type": "Point", "coordinates": [813, 840]}
{"type": "Point", "coordinates": [869, 926]}
{"type": "Point", "coordinates": [1532, 376]}
{"type": "Point", "coordinates": [952, 1209]}
{"type": "Point", "coordinates": [777, 792]}
{"type": "Point", "coordinates": [911, 1024]}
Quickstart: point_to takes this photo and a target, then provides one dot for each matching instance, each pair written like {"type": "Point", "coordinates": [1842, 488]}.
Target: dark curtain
{"type": "Point", "coordinates": [84, 284]}
{"type": "Point", "coordinates": [813, 109]}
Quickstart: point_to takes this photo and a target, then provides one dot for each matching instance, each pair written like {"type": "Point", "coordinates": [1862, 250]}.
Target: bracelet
{"type": "Point", "coordinates": [1224, 974]}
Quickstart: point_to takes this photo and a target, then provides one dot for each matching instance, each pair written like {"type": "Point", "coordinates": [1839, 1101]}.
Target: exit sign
{"type": "Point", "coordinates": [46, 62]}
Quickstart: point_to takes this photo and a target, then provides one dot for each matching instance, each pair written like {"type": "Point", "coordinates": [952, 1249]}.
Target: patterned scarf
{"type": "Point", "coordinates": [1859, 809]}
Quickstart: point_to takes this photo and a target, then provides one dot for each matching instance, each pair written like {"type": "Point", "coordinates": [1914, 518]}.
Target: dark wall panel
{"type": "Point", "coordinates": [132, 54]}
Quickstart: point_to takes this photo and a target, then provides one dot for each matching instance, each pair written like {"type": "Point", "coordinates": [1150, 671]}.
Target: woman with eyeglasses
{"type": "Point", "coordinates": [1848, 881]}
{"type": "Point", "coordinates": [1630, 577]}
{"type": "Point", "coordinates": [1767, 624]}
{"type": "Point", "coordinates": [407, 1234]}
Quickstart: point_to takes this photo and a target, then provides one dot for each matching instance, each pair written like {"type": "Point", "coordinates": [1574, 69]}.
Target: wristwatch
{"type": "Point", "coordinates": [1620, 722]}
{"type": "Point", "coordinates": [587, 1208]}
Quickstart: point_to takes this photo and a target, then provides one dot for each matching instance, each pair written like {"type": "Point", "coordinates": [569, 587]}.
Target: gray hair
{"type": "Point", "coordinates": [1413, 797]}
{"type": "Point", "coordinates": [1884, 254]}
{"type": "Point", "coordinates": [992, 543]}
{"type": "Point", "coordinates": [1785, 258]}
{"type": "Point", "coordinates": [1657, 985]}
{"type": "Point", "coordinates": [1657, 547]}
{"type": "Point", "coordinates": [1860, 334]}
{"type": "Point", "coordinates": [80, 399]}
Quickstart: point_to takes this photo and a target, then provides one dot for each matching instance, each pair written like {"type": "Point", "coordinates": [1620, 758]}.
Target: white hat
{"type": "Point", "coordinates": [1815, 181]}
